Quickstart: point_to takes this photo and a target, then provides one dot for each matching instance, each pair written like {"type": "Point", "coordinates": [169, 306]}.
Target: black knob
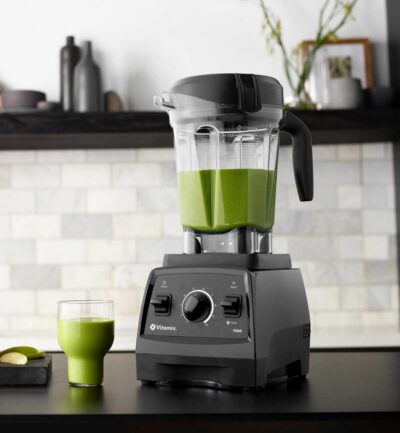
{"type": "Point", "coordinates": [196, 306]}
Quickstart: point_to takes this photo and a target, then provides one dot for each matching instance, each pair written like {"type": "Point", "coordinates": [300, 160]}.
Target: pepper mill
{"type": "Point", "coordinates": [69, 57]}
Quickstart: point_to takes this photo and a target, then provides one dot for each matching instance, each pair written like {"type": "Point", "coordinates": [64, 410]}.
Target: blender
{"type": "Point", "coordinates": [228, 313]}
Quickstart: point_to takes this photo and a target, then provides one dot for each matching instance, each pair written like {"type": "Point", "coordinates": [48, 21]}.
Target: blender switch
{"type": "Point", "coordinates": [162, 304]}
{"type": "Point", "coordinates": [232, 305]}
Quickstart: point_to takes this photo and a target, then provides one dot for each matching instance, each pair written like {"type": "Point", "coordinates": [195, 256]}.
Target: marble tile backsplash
{"type": "Point", "coordinates": [92, 224]}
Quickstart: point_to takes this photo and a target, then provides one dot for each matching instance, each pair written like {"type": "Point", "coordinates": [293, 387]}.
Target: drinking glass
{"type": "Point", "coordinates": [85, 334]}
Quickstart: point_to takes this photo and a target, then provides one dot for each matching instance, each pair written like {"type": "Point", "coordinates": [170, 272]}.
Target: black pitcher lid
{"type": "Point", "coordinates": [248, 91]}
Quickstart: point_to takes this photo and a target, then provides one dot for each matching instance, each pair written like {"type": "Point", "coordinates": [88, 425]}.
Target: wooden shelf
{"type": "Point", "coordinates": [151, 129]}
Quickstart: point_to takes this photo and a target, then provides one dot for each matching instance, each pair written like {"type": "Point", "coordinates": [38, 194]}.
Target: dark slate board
{"type": "Point", "coordinates": [35, 372]}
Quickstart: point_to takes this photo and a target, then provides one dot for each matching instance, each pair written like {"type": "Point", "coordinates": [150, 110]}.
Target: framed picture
{"type": "Point", "coordinates": [343, 58]}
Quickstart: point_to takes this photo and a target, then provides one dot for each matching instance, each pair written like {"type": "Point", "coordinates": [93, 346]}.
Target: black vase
{"type": "Point", "coordinates": [69, 57]}
{"type": "Point", "coordinates": [87, 83]}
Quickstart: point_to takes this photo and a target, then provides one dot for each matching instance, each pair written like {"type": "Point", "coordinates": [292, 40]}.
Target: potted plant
{"type": "Point", "coordinates": [334, 14]}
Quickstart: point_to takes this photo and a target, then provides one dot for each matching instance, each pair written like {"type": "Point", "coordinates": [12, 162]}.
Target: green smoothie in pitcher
{"type": "Point", "coordinates": [220, 200]}
{"type": "Point", "coordinates": [85, 341]}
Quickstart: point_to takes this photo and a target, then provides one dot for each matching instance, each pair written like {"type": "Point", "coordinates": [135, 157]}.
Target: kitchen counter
{"type": "Point", "coordinates": [345, 391]}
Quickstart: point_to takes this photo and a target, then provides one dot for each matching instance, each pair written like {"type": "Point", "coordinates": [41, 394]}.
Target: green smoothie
{"type": "Point", "coordinates": [220, 200]}
{"type": "Point", "coordinates": [85, 341]}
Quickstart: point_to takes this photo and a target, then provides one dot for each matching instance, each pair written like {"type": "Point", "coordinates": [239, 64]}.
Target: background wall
{"type": "Point", "coordinates": [76, 224]}
{"type": "Point", "coordinates": [144, 46]}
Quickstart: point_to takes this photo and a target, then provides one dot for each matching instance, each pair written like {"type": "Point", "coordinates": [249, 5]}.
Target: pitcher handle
{"type": "Point", "coordinates": [302, 155]}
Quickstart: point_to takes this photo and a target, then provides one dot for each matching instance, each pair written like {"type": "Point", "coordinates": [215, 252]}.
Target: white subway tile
{"type": "Point", "coordinates": [86, 277]}
{"type": "Point", "coordinates": [111, 251]}
{"type": "Point", "coordinates": [86, 226]}
{"type": "Point", "coordinates": [63, 251]}
{"type": "Point", "coordinates": [35, 277]}
{"type": "Point", "coordinates": [5, 323]}
{"type": "Point", "coordinates": [280, 244]}
{"type": "Point", "coordinates": [111, 155]}
{"type": "Point", "coordinates": [17, 252]}
{"type": "Point", "coordinates": [310, 247]}
{"type": "Point", "coordinates": [156, 154]}
{"type": "Point", "coordinates": [352, 320]}
{"type": "Point", "coordinates": [391, 196]}
{"type": "Point", "coordinates": [136, 174]}
{"type": "Point", "coordinates": [353, 298]}
{"type": "Point", "coordinates": [337, 222]}
{"type": "Point", "coordinates": [17, 156]}
{"type": "Point", "coordinates": [379, 222]}
{"type": "Point", "coordinates": [35, 175]}
{"type": "Point", "coordinates": [5, 226]}
{"type": "Point", "coordinates": [395, 297]}
{"type": "Point", "coordinates": [169, 174]}
{"type": "Point", "coordinates": [132, 276]}
{"type": "Point", "coordinates": [5, 176]}
{"type": "Point", "coordinates": [337, 172]}
{"type": "Point", "coordinates": [376, 319]}
{"type": "Point", "coordinates": [349, 151]}
{"type": "Point", "coordinates": [376, 247]}
{"type": "Point", "coordinates": [36, 323]}
{"type": "Point", "coordinates": [47, 300]}
{"type": "Point", "coordinates": [86, 175]}
{"type": "Point", "coordinates": [172, 224]}
{"type": "Point", "coordinates": [375, 196]}
{"type": "Point", "coordinates": [153, 250]}
{"type": "Point", "coordinates": [125, 301]}
{"type": "Point", "coordinates": [61, 200]}
{"type": "Point", "coordinates": [350, 196]}
{"type": "Point", "coordinates": [374, 151]}
{"type": "Point", "coordinates": [323, 298]}
{"type": "Point", "coordinates": [137, 225]}
{"type": "Point", "coordinates": [63, 156]}
{"type": "Point", "coordinates": [378, 172]}
{"type": "Point", "coordinates": [111, 200]}
{"type": "Point", "coordinates": [17, 302]}
{"type": "Point", "coordinates": [4, 277]}
{"type": "Point", "coordinates": [12, 201]}
{"type": "Point", "coordinates": [324, 152]}
{"type": "Point", "coordinates": [158, 199]}
{"type": "Point", "coordinates": [379, 297]}
{"type": "Point", "coordinates": [381, 272]}
{"type": "Point", "coordinates": [350, 247]}
{"type": "Point", "coordinates": [36, 226]}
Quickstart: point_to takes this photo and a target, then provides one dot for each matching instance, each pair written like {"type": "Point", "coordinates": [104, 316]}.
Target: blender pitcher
{"type": "Point", "coordinates": [226, 131]}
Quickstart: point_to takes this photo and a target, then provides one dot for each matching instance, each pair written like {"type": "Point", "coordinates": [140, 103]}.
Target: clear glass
{"type": "Point", "coordinates": [85, 333]}
{"type": "Point", "coordinates": [226, 163]}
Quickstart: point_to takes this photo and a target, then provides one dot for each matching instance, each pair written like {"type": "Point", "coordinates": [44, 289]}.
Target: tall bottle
{"type": "Point", "coordinates": [69, 57]}
{"type": "Point", "coordinates": [87, 82]}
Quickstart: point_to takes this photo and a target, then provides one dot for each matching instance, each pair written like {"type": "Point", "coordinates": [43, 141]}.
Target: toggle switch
{"type": "Point", "coordinates": [162, 304]}
{"type": "Point", "coordinates": [232, 305]}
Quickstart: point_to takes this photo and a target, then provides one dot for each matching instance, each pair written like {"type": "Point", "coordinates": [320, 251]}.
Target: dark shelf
{"type": "Point", "coordinates": [151, 129]}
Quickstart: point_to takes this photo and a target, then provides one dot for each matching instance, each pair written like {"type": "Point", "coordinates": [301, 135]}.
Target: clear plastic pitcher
{"type": "Point", "coordinates": [226, 130]}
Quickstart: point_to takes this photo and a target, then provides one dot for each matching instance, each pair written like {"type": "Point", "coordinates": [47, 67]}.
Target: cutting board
{"type": "Point", "coordinates": [35, 372]}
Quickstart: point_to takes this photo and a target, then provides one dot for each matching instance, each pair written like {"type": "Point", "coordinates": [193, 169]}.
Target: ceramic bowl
{"type": "Point", "coordinates": [21, 98]}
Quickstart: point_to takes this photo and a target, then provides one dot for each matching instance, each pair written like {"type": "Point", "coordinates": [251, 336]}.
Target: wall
{"type": "Point", "coordinates": [144, 46]}
{"type": "Point", "coordinates": [76, 224]}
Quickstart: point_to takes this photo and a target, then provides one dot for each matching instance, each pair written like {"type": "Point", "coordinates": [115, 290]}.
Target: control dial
{"type": "Point", "coordinates": [197, 306]}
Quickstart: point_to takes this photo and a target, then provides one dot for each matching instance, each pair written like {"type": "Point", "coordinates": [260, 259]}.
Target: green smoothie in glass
{"type": "Point", "coordinates": [85, 341]}
{"type": "Point", "coordinates": [220, 200]}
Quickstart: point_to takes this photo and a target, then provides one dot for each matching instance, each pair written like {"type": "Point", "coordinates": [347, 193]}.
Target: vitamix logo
{"type": "Point", "coordinates": [154, 327]}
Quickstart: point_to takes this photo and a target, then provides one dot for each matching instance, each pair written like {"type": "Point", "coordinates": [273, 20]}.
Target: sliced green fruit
{"type": "Point", "coordinates": [14, 358]}
{"type": "Point", "coordinates": [29, 351]}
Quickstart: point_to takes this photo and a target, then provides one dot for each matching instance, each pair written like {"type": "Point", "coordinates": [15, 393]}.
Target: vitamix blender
{"type": "Point", "coordinates": [227, 312]}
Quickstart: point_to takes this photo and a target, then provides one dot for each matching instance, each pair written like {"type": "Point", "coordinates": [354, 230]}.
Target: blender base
{"type": "Point", "coordinates": [255, 331]}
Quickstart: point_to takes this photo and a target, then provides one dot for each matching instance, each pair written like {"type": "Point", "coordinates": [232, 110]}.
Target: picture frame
{"type": "Point", "coordinates": [345, 57]}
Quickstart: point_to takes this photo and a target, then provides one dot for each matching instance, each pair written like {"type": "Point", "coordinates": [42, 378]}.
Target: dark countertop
{"type": "Point", "coordinates": [359, 390]}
